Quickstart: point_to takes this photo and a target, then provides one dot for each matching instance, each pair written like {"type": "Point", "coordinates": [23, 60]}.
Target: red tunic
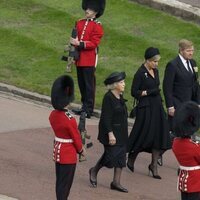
{"type": "Point", "coordinates": [65, 127]}
{"type": "Point", "coordinates": [187, 153]}
{"type": "Point", "coordinates": [90, 33]}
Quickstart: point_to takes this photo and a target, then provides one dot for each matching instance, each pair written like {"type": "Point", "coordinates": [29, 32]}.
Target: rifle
{"type": "Point", "coordinates": [73, 53]}
{"type": "Point", "coordinates": [196, 138]}
{"type": "Point", "coordinates": [84, 134]}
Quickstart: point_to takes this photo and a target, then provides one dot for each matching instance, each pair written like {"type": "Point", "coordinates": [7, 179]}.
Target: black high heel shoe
{"type": "Point", "coordinates": [131, 168]}
{"type": "Point", "coordinates": [93, 183]}
{"type": "Point", "coordinates": [152, 171]}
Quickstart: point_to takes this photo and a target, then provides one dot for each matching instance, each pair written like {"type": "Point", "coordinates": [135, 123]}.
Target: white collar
{"type": "Point", "coordinates": [182, 59]}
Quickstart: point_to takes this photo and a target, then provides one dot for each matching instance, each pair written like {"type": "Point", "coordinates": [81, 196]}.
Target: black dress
{"type": "Point", "coordinates": [113, 118]}
{"type": "Point", "coordinates": [150, 130]}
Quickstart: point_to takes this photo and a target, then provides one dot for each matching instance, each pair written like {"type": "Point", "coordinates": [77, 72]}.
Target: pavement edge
{"type": "Point", "coordinates": [176, 8]}
{"type": "Point", "coordinates": [40, 99]}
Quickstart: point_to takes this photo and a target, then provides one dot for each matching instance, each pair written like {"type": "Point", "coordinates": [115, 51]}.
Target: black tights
{"type": "Point", "coordinates": [116, 176]}
{"type": "Point", "coordinates": [155, 154]}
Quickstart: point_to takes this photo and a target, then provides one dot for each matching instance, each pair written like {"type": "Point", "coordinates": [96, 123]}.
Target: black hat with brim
{"type": "Point", "coordinates": [114, 77]}
{"type": "Point", "coordinates": [96, 5]}
{"type": "Point", "coordinates": [62, 92]}
{"type": "Point", "coordinates": [186, 119]}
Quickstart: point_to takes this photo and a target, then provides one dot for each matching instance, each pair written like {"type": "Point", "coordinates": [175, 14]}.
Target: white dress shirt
{"type": "Point", "coordinates": [184, 61]}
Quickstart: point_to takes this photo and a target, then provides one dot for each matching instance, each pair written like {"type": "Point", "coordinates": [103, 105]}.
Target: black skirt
{"type": "Point", "coordinates": [150, 130]}
{"type": "Point", "coordinates": [114, 156]}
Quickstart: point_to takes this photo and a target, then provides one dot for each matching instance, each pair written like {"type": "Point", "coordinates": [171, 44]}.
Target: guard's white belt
{"type": "Point", "coordinates": [57, 139]}
{"type": "Point", "coordinates": [189, 168]}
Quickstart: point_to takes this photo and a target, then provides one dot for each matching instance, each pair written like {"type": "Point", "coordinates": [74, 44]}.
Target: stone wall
{"type": "Point", "coordinates": [176, 8]}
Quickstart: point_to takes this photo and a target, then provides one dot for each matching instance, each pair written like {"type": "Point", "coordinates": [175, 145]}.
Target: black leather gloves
{"type": "Point", "coordinates": [153, 92]}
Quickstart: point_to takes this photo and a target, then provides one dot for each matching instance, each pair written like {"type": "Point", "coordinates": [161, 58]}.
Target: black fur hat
{"type": "Point", "coordinates": [114, 77]}
{"type": "Point", "coordinates": [62, 92]}
{"type": "Point", "coordinates": [186, 119]}
{"type": "Point", "coordinates": [96, 5]}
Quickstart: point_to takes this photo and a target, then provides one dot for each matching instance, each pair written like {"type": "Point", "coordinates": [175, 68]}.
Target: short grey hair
{"type": "Point", "coordinates": [111, 86]}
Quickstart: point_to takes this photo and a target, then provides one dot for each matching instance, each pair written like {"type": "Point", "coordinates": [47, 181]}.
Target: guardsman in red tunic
{"type": "Point", "coordinates": [67, 141]}
{"type": "Point", "coordinates": [187, 151]}
{"type": "Point", "coordinates": [89, 34]}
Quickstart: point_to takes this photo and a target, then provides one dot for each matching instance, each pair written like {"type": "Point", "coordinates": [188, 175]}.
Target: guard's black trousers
{"type": "Point", "coordinates": [64, 180]}
{"type": "Point", "coordinates": [190, 196]}
{"type": "Point", "coordinates": [87, 86]}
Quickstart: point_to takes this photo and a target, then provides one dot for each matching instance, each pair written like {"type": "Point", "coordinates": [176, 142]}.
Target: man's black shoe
{"type": "Point", "coordinates": [77, 111]}
{"type": "Point", "coordinates": [88, 115]}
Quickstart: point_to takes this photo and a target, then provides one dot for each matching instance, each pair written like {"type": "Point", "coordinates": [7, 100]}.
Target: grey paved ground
{"type": "Point", "coordinates": [188, 10]}
{"type": "Point", "coordinates": [27, 169]}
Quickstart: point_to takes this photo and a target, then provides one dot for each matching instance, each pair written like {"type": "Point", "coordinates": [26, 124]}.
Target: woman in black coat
{"type": "Point", "coordinates": [150, 131]}
{"type": "Point", "coordinates": [113, 131]}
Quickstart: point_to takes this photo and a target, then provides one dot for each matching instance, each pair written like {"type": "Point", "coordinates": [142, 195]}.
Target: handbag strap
{"type": "Point", "coordinates": [135, 102]}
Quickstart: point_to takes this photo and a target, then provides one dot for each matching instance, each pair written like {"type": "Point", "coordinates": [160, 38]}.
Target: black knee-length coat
{"type": "Point", "coordinates": [113, 118]}
{"type": "Point", "coordinates": [150, 130]}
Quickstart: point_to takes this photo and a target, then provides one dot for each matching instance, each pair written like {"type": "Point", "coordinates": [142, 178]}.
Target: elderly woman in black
{"type": "Point", "coordinates": [150, 131]}
{"type": "Point", "coordinates": [113, 131]}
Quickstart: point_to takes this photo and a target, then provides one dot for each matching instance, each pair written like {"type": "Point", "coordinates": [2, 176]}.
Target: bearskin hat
{"type": "Point", "coordinates": [96, 5]}
{"type": "Point", "coordinates": [186, 119]}
{"type": "Point", "coordinates": [62, 92]}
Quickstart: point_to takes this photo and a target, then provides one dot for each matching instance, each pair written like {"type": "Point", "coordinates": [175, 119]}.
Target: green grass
{"type": "Point", "coordinates": [33, 34]}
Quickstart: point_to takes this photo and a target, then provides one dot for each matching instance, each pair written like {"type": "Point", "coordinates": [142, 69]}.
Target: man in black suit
{"type": "Point", "coordinates": [180, 82]}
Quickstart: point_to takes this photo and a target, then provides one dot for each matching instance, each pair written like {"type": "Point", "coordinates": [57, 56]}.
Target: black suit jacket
{"type": "Point", "coordinates": [179, 85]}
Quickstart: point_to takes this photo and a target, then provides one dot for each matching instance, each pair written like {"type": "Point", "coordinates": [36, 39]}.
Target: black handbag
{"type": "Point", "coordinates": [132, 114]}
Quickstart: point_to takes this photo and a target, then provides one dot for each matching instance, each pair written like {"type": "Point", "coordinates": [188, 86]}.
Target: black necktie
{"type": "Point", "coordinates": [188, 66]}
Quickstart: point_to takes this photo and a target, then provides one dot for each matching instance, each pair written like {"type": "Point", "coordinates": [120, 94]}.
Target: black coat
{"type": "Point", "coordinates": [113, 118]}
{"type": "Point", "coordinates": [179, 85]}
{"type": "Point", "coordinates": [150, 130]}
